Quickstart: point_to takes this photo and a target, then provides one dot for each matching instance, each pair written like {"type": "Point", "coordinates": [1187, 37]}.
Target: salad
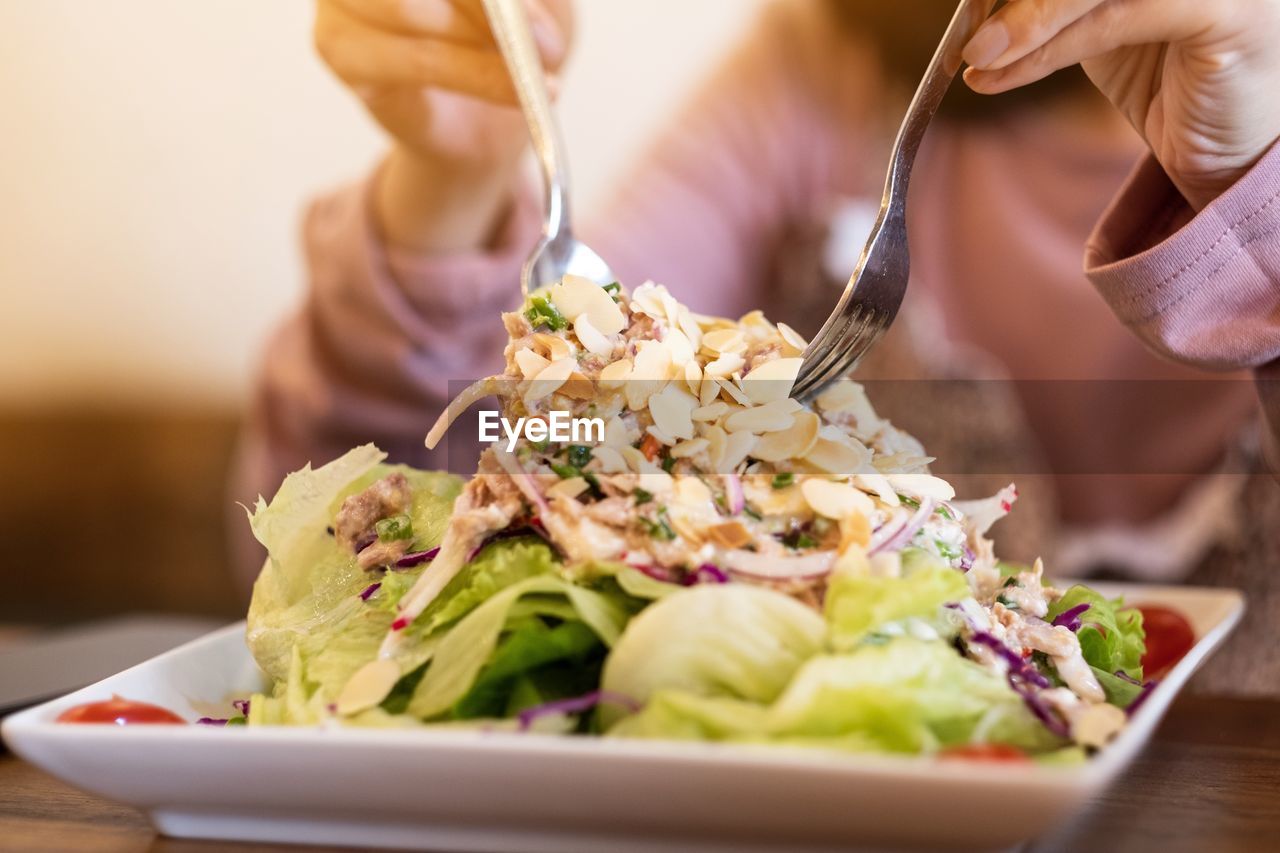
{"type": "Point", "coordinates": [722, 563]}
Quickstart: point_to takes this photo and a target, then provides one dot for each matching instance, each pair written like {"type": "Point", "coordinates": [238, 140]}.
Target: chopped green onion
{"type": "Point", "coordinates": [566, 472]}
{"type": "Point", "coordinates": [781, 481]}
{"type": "Point", "coordinates": [668, 463]}
{"type": "Point", "coordinates": [394, 529]}
{"type": "Point", "coordinates": [1007, 602]}
{"type": "Point", "coordinates": [542, 313]}
{"type": "Point", "coordinates": [641, 496]}
{"type": "Point", "coordinates": [945, 513]}
{"type": "Point", "coordinates": [578, 455]}
{"type": "Point", "coordinates": [615, 288]}
{"type": "Point", "coordinates": [947, 552]}
{"type": "Point", "coordinates": [659, 529]}
{"type": "Point", "coordinates": [752, 514]}
{"type": "Point", "coordinates": [909, 501]}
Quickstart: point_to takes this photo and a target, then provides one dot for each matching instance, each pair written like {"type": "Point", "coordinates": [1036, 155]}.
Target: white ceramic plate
{"type": "Point", "coordinates": [468, 790]}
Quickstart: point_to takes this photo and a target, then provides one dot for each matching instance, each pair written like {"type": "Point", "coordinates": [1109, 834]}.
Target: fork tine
{"type": "Point", "coordinates": [825, 347]}
{"type": "Point", "coordinates": [846, 358]}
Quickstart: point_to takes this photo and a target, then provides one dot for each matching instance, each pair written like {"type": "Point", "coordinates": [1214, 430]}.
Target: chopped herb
{"type": "Point", "coordinates": [752, 514]}
{"type": "Point", "coordinates": [909, 501]}
{"type": "Point", "coordinates": [641, 496]}
{"type": "Point", "coordinates": [668, 464]}
{"type": "Point", "coordinates": [542, 313]}
{"type": "Point", "coordinates": [566, 472]}
{"type": "Point", "coordinates": [1007, 602]}
{"type": "Point", "coordinates": [394, 529]}
{"type": "Point", "coordinates": [615, 288]}
{"type": "Point", "coordinates": [578, 455]}
{"type": "Point", "coordinates": [659, 529]}
{"type": "Point", "coordinates": [1011, 581]}
{"type": "Point", "coordinates": [593, 483]}
{"type": "Point", "coordinates": [945, 513]}
{"type": "Point", "coordinates": [802, 540]}
{"type": "Point", "coordinates": [947, 552]}
{"type": "Point", "coordinates": [781, 481]}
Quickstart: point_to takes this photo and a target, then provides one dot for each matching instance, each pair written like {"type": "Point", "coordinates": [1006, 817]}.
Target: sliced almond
{"type": "Point", "coordinates": [737, 447]}
{"type": "Point", "coordinates": [793, 343]}
{"type": "Point", "coordinates": [711, 413]}
{"type": "Point", "coordinates": [836, 457]}
{"type": "Point", "coordinates": [878, 485]}
{"type": "Point", "coordinates": [595, 342]}
{"type": "Point", "coordinates": [614, 374]}
{"type": "Point", "coordinates": [772, 380]}
{"type": "Point", "coordinates": [922, 486]}
{"type": "Point", "coordinates": [835, 500]}
{"type": "Point", "coordinates": [368, 687]}
{"type": "Point", "coordinates": [664, 438]}
{"type": "Point", "coordinates": [771, 417]}
{"type": "Point", "coordinates": [689, 449]}
{"type": "Point", "coordinates": [708, 392]}
{"type": "Point", "coordinates": [679, 348]}
{"type": "Point", "coordinates": [530, 363]}
{"type": "Point", "coordinates": [649, 373]}
{"type": "Point", "coordinates": [729, 535]}
{"type": "Point", "coordinates": [724, 341]}
{"type": "Point", "coordinates": [672, 411]}
{"type": "Point", "coordinates": [791, 443]}
{"type": "Point", "coordinates": [733, 392]}
{"type": "Point", "coordinates": [616, 434]}
{"type": "Point", "coordinates": [693, 377]}
{"type": "Point", "coordinates": [569, 489]}
{"type": "Point", "coordinates": [579, 387]}
{"type": "Point", "coordinates": [690, 327]}
{"type": "Point", "coordinates": [549, 380]}
{"type": "Point", "coordinates": [610, 460]}
{"type": "Point", "coordinates": [726, 365]}
{"type": "Point", "coordinates": [553, 347]}
{"type": "Point", "coordinates": [575, 296]}
{"type": "Point", "coordinates": [715, 437]}
{"type": "Point", "coordinates": [840, 396]}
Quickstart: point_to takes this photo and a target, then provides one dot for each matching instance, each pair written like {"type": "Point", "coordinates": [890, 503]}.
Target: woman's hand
{"type": "Point", "coordinates": [1199, 79]}
{"type": "Point", "coordinates": [430, 73]}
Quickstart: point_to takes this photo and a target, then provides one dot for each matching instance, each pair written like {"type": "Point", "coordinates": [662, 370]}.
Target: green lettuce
{"type": "Point", "coordinates": [1111, 637]}
{"type": "Point", "coordinates": [906, 696]}
{"type": "Point", "coordinates": [856, 605]}
{"type": "Point", "coordinates": [733, 640]}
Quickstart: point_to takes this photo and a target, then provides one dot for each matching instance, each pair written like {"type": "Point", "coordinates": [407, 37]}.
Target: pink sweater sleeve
{"type": "Point", "coordinates": [1201, 288]}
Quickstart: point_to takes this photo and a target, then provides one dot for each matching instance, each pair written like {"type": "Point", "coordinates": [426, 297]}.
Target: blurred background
{"type": "Point", "coordinates": [156, 159]}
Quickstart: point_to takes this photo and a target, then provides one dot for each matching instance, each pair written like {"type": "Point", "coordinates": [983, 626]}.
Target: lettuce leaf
{"type": "Point", "coordinates": [733, 640]}
{"type": "Point", "coordinates": [906, 696]}
{"type": "Point", "coordinates": [856, 605]}
{"type": "Point", "coordinates": [1111, 637]}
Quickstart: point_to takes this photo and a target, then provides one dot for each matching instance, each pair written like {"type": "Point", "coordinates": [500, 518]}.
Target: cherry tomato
{"type": "Point", "coordinates": [121, 712]}
{"type": "Point", "coordinates": [996, 752]}
{"type": "Point", "coordinates": [1169, 637]}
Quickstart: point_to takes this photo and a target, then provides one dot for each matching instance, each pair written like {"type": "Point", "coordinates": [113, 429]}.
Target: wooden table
{"type": "Point", "coordinates": [1210, 781]}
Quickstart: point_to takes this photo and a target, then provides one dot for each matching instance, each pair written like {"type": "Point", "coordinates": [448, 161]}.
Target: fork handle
{"type": "Point", "coordinates": [510, 23]}
{"type": "Point", "coordinates": [937, 79]}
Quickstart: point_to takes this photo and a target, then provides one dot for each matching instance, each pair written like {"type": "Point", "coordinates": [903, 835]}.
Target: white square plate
{"type": "Point", "coordinates": [470, 790]}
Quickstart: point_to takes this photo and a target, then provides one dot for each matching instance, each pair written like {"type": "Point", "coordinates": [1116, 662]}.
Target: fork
{"type": "Point", "coordinates": [874, 293]}
{"type": "Point", "coordinates": [558, 253]}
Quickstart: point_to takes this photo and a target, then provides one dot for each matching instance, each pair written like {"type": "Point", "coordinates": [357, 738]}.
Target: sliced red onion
{"type": "Point", "coordinates": [370, 590]}
{"type": "Point", "coordinates": [241, 706]}
{"type": "Point", "coordinates": [575, 705]}
{"type": "Point", "coordinates": [409, 561]}
{"type": "Point", "coordinates": [733, 493]}
{"type": "Point", "coordinates": [899, 539]}
{"type": "Point", "coordinates": [658, 573]}
{"type": "Point", "coordinates": [1070, 619]}
{"type": "Point", "coordinates": [212, 721]}
{"type": "Point", "coordinates": [769, 567]}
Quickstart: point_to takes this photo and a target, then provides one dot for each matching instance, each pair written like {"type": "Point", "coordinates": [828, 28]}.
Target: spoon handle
{"type": "Point", "coordinates": [510, 23]}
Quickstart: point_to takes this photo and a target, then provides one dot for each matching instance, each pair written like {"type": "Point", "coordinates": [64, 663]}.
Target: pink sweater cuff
{"type": "Point", "coordinates": [1198, 288]}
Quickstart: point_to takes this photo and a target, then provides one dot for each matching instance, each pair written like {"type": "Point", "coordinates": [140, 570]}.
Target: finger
{"type": "Point", "coordinates": [366, 57]}
{"type": "Point", "coordinates": [1112, 25]}
{"type": "Point", "coordinates": [442, 18]}
{"type": "Point", "coordinates": [1021, 27]}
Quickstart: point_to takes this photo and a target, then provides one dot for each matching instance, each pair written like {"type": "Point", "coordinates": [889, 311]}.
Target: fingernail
{"type": "Point", "coordinates": [987, 45]}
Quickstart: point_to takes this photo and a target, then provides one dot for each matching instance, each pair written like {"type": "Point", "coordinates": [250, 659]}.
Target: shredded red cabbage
{"type": "Point", "coordinates": [370, 590]}
{"type": "Point", "coordinates": [212, 721]}
{"type": "Point", "coordinates": [1147, 687]}
{"type": "Point", "coordinates": [241, 706]}
{"type": "Point", "coordinates": [409, 561]}
{"type": "Point", "coordinates": [1070, 619]}
{"type": "Point", "coordinates": [966, 561]}
{"type": "Point", "coordinates": [658, 573]}
{"type": "Point", "coordinates": [706, 573]}
{"type": "Point", "coordinates": [1025, 680]}
{"type": "Point", "coordinates": [575, 705]}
